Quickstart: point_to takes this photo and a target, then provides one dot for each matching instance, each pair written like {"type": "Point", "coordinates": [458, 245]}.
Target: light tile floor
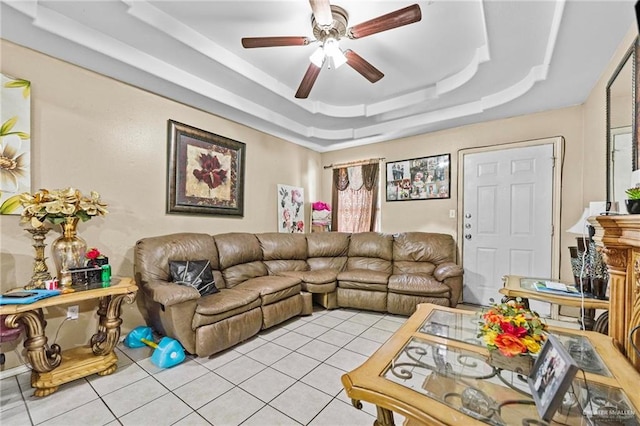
{"type": "Point", "coordinates": [287, 375]}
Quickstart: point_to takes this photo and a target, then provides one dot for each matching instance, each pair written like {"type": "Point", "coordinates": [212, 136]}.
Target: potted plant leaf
{"type": "Point", "coordinates": [633, 200]}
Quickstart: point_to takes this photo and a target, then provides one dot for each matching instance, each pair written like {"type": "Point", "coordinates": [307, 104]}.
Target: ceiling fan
{"type": "Point", "coordinates": [329, 24]}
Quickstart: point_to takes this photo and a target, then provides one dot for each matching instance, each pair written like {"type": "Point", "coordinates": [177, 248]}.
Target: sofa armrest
{"type": "Point", "coordinates": [168, 293]}
{"type": "Point", "coordinates": [447, 270]}
{"type": "Point", "coordinates": [450, 274]}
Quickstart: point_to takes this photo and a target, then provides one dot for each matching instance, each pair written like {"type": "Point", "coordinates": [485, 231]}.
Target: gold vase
{"type": "Point", "coordinates": [68, 250]}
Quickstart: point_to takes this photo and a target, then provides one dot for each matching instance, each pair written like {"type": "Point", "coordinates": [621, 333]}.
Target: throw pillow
{"type": "Point", "coordinates": [194, 273]}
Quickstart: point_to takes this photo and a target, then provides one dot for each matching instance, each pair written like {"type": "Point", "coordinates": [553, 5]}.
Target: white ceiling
{"type": "Point", "coordinates": [464, 62]}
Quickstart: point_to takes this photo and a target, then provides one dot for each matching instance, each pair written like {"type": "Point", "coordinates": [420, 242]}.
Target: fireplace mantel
{"type": "Point", "coordinates": [618, 239]}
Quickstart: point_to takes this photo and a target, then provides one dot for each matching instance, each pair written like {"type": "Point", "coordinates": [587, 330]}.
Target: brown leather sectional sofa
{"type": "Point", "coordinates": [265, 279]}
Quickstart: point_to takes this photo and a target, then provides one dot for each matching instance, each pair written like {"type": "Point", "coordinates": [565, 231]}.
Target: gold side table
{"type": "Point", "coordinates": [523, 287]}
{"type": "Point", "coordinates": [51, 366]}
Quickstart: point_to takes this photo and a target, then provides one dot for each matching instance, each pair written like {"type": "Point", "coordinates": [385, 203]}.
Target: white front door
{"type": "Point", "coordinates": [507, 218]}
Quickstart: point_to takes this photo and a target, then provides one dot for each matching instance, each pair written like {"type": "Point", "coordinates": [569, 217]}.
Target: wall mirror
{"type": "Point", "coordinates": [621, 145]}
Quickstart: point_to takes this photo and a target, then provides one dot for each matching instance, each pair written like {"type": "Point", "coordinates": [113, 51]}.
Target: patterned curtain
{"type": "Point", "coordinates": [354, 198]}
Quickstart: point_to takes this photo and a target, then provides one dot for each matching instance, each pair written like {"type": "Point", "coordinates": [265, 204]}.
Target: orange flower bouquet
{"type": "Point", "coordinates": [512, 329]}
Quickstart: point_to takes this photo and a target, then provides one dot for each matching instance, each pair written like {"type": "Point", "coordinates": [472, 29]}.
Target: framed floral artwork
{"type": "Point", "coordinates": [15, 143]}
{"type": "Point", "coordinates": [423, 178]}
{"type": "Point", "coordinates": [205, 172]}
{"type": "Point", "coordinates": [290, 209]}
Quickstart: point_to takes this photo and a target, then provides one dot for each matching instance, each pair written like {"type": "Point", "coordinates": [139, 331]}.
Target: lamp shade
{"type": "Point", "coordinates": [580, 227]}
{"type": "Point", "coordinates": [317, 57]}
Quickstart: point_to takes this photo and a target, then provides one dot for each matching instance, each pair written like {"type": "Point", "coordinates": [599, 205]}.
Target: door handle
{"type": "Point", "coordinates": [467, 236]}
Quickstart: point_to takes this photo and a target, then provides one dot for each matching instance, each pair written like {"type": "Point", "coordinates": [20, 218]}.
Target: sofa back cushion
{"type": "Point", "coordinates": [283, 252]}
{"type": "Point", "coordinates": [240, 257]}
{"type": "Point", "coordinates": [370, 250]}
{"type": "Point", "coordinates": [421, 252]}
{"type": "Point", "coordinates": [327, 250]}
{"type": "Point", "coordinates": [152, 255]}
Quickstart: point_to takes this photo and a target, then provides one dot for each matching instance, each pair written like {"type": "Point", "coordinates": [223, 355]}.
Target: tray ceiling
{"type": "Point", "coordinates": [464, 62]}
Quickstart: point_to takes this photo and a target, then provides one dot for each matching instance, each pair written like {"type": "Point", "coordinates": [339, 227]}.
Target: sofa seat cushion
{"type": "Point", "coordinates": [364, 276]}
{"type": "Point", "coordinates": [321, 281]}
{"type": "Point", "coordinates": [224, 304]}
{"type": "Point", "coordinates": [293, 274]}
{"type": "Point", "coordinates": [361, 279]}
{"type": "Point", "coordinates": [321, 276]}
{"type": "Point", "coordinates": [272, 288]}
{"type": "Point", "coordinates": [417, 285]}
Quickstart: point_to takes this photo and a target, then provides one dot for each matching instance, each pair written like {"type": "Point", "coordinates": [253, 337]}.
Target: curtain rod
{"type": "Point", "coordinates": [355, 163]}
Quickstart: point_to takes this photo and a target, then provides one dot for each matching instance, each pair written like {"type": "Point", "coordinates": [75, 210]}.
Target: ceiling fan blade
{"type": "Point", "coordinates": [322, 11]}
{"type": "Point", "coordinates": [367, 70]}
{"type": "Point", "coordinates": [406, 16]}
{"type": "Point", "coordinates": [251, 42]}
{"type": "Point", "coordinates": [307, 81]}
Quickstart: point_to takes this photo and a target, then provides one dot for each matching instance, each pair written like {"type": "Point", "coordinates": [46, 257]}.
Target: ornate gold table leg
{"type": "Point", "coordinates": [41, 357]}
{"type": "Point", "coordinates": [385, 417]}
{"type": "Point", "coordinates": [602, 323]}
{"type": "Point", "coordinates": [109, 311]}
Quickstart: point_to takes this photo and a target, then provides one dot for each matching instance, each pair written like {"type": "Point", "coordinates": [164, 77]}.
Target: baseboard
{"type": "Point", "coordinates": [5, 374]}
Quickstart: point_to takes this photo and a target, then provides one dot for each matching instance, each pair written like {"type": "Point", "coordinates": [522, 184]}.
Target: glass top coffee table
{"type": "Point", "coordinates": [525, 288]}
{"type": "Point", "coordinates": [434, 370]}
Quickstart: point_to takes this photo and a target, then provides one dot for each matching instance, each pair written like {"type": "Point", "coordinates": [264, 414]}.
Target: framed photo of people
{"type": "Point", "coordinates": [424, 178]}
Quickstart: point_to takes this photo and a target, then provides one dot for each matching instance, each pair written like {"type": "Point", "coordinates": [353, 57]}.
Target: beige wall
{"type": "Point", "coordinates": [96, 133]}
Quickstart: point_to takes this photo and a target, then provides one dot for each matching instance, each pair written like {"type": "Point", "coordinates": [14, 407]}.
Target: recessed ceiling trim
{"type": "Point", "coordinates": [466, 74]}
{"type": "Point", "coordinates": [536, 74]}
{"type": "Point", "coordinates": [176, 29]}
{"type": "Point", "coordinates": [72, 30]}
{"type": "Point", "coordinates": [54, 23]}
{"type": "Point", "coordinates": [269, 120]}
{"type": "Point", "coordinates": [555, 29]}
{"type": "Point", "coordinates": [413, 98]}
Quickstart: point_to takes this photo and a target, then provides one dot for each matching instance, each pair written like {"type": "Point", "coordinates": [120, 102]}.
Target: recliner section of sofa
{"type": "Point", "coordinates": [363, 282]}
{"type": "Point", "coordinates": [424, 271]}
{"type": "Point", "coordinates": [267, 278]}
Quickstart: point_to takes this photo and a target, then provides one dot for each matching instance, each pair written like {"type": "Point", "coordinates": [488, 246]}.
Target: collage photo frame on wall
{"type": "Point", "coordinates": [421, 178]}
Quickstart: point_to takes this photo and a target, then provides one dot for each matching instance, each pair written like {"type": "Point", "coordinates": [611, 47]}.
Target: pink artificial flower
{"type": "Point", "coordinates": [92, 254]}
{"type": "Point", "coordinates": [320, 205]}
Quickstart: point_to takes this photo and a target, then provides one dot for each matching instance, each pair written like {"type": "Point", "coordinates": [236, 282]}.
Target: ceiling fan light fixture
{"type": "Point", "coordinates": [332, 50]}
{"type": "Point", "coordinates": [330, 24]}
{"type": "Point", "coordinates": [338, 59]}
{"type": "Point", "coordinates": [317, 57]}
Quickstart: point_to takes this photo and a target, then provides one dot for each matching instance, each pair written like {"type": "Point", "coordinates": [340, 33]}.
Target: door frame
{"type": "Point", "coordinates": [558, 156]}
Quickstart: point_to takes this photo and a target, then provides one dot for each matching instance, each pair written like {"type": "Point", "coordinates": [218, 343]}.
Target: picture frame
{"type": "Point", "coordinates": [291, 212]}
{"type": "Point", "coordinates": [423, 178]}
{"type": "Point", "coordinates": [15, 137]}
{"type": "Point", "coordinates": [551, 376]}
{"type": "Point", "coordinates": [205, 173]}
